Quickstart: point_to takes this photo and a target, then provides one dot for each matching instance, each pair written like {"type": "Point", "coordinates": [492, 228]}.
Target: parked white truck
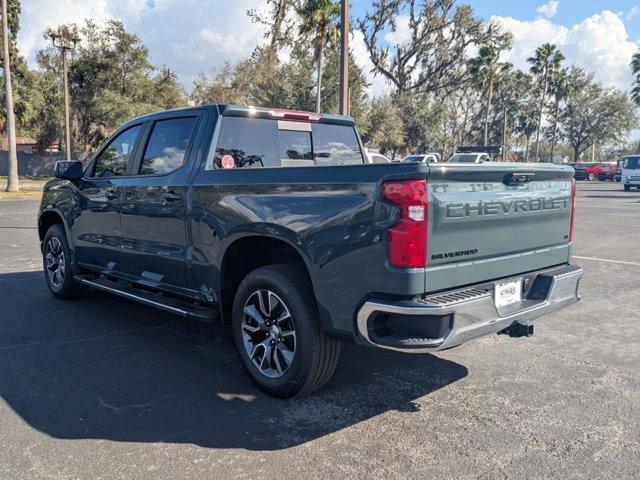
{"type": "Point", "coordinates": [631, 172]}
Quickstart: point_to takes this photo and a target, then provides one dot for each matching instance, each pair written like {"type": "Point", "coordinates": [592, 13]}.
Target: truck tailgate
{"type": "Point", "coordinates": [496, 220]}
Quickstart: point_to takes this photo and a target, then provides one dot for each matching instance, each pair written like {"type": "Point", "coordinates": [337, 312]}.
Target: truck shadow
{"type": "Point", "coordinates": [103, 368]}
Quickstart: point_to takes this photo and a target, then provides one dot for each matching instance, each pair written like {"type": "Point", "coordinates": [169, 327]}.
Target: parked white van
{"type": "Point", "coordinates": [631, 172]}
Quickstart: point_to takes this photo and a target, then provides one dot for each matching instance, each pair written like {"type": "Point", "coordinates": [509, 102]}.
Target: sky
{"type": "Point", "coordinates": [198, 36]}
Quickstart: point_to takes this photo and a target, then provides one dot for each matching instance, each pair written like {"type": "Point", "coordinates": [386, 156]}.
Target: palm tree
{"type": "Point", "coordinates": [546, 60]}
{"type": "Point", "coordinates": [560, 85]}
{"type": "Point", "coordinates": [486, 70]}
{"type": "Point", "coordinates": [505, 81]}
{"type": "Point", "coordinates": [12, 178]}
{"type": "Point", "coordinates": [526, 126]}
{"type": "Point", "coordinates": [319, 18]}
{"type": "Point", "coordinates": [635, 67]}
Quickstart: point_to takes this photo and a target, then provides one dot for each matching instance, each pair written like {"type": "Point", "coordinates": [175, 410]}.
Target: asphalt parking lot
{"type": "Point", "coordinates": [104, 388]}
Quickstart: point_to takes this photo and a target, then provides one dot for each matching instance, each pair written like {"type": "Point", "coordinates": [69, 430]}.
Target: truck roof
{"type": "Point", "coordinates": [231, 110]}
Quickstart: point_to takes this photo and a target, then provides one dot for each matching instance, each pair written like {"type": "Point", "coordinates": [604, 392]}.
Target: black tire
{"type": "Point", "coordinates": [315, 356]}
{"type": "Point", "coordinates": [627, 188]}
{"type": "Point", "coordinates": [62, 285]}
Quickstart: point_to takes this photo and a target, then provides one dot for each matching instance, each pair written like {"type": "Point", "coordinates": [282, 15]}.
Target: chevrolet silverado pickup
{"type": "Point", "coordinates": [274, 222]}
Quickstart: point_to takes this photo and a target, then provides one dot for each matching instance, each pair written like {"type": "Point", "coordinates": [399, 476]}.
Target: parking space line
{"type": "Point", "coordinates": [621, 262]}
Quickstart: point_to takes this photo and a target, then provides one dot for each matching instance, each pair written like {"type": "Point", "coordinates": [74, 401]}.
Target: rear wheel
{"type": "Point", "coordinates": [56, 258]}
{"type": "Point", "coordinates": [277, 332]}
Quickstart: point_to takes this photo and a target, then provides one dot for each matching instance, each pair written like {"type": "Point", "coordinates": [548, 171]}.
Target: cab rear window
{"type": "Point", "coordinates": [256, 142]}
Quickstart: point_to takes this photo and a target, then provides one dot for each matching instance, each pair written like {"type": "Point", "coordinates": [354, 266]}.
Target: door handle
{"type": "Point", "coordinates": [171, 196]}
{"type": "Point", "coordinates": [112, 193]}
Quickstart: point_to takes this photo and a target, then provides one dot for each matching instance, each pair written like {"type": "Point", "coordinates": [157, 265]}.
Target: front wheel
{"type": "Point", "coordinates": [627, 188]}
{"type": "Point", "coordinates": [56, 258]}
{"type": "Point", "coordinates": [592, 177]}
{"type": "Point", "coordinates": [277, 332]}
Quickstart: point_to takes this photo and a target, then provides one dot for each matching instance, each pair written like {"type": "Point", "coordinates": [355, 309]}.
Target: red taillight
{"type": "Point", "coordinates": [295, 115]}
{"type": "Point", "coordinates": [573, 210]}
{"type": "Point", "coordinates": [408, 237]}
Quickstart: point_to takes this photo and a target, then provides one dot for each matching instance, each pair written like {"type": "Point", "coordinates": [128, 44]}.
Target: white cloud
{"type": "Point", "coordinates": [193, 36]}
{"type": "Point", "coordinates": [190, 36]}
{"type": "Point", "coordinates": [548, 10]}
{"type": "Point", "coordinates": [379, 86]}
{"type": "Point", "coordinates": [633, 13]}
{"type": "Point", "coordinates": [402, 33]}
{"type": "Point", "coordinates": [599, 43]}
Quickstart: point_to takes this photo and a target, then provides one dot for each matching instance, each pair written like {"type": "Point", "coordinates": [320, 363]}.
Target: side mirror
{"type": "Point", "coordinates": [68, 170]}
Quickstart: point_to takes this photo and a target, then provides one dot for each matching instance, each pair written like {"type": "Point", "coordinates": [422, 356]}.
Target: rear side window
{"type": "Point", "coordinates": [255, 142]}
{"type": "Point", "coordinates": [167, 146]}
{"type": "Point", "coordinates": [114, 159]}
{"type": "Point", "coordinates": [251, 142]}
{"type": "Point", "coordinates": [335, 145]}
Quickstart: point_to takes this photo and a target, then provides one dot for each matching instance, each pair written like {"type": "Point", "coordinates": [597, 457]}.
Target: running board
{"type": "Point", "coordinates": [168, 304]}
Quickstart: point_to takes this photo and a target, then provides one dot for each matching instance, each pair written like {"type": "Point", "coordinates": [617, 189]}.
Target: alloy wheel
{"type": "Point", "coordinates": [268, 333]}
{"type": "Point", "coordinates": [54, 256]}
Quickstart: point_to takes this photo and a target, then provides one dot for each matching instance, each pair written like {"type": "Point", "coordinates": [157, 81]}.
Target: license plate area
{"type": "Point", "coordinates": [507, 293]}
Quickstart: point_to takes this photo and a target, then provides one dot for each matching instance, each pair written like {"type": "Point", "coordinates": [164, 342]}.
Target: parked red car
{"type": "Point", "coordinates": [602, 171]}
{"type": "Point", "coordinates": [580, 170]}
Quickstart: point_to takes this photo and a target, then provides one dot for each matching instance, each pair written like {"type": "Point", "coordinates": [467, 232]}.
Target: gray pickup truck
{"type": "Point", "coordinates": [273, 221]}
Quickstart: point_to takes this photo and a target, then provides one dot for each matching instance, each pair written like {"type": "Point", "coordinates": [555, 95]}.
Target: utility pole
{"type": "Point", "coordinates": [344, 58]}
{"type": "Point", "coordinates": [504, 134]}
{"type": "Point", "coordinates": [13, 184]}
{"type": "Point", "coordinates": [65, 40]}
{"type": "Point", "coordinates": [67, 121]}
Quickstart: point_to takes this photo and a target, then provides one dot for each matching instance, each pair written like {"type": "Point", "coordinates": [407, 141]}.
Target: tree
{"type": "Point", "coordinates": [319, 19]}
{"type": "Point", "coordinates": [544, 63]}
{"type": "Point", "coordinates": [526, 124]}
{"type": "Point", "coordinates": [383, 127]}
{"type": "Point", "coordinates": [267, 81]}
{"type": "Point", "coordinates": [12, 179]}
{"type": "Point", "coordinates": [485, 69]}
{"type": "Point", "coordinates": [560, 86]}
{"type": "Point", "coordinates": [23, 81]}
{"type": "Point", "coordinates": [460, 112]}
{"type": "Point", "coordinates": [513, 92]}
{"type": "Point", "coordinates": [111, 80]}
{"type": "Point", "coordinates": [433, 57]}
{"type": "Point", "coordinates": [261, 80]}
{"type": "Point", "coordinates": [635, 67]}
{"type": "Point", "coordinates": [593, 114]}
{"type": "Point", "coordinates": [278, 22]}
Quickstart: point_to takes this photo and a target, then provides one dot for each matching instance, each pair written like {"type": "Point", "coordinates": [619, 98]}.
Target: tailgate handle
{"type": "Point", "coordinates": [512, 179]}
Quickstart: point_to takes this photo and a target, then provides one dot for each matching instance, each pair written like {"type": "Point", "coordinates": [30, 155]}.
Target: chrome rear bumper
{"type": "Point", "coordinates": [464, 314]}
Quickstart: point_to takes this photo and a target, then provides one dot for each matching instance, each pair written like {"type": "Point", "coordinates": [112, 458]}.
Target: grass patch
{"type": "Point", "coordinates": [21, 194]}
{"type": "Point", "coordinates": [29, 187]}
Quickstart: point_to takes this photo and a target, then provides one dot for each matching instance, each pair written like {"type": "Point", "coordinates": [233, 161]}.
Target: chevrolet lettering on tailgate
{"type": "Point", "coordinates": [458, 210]}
